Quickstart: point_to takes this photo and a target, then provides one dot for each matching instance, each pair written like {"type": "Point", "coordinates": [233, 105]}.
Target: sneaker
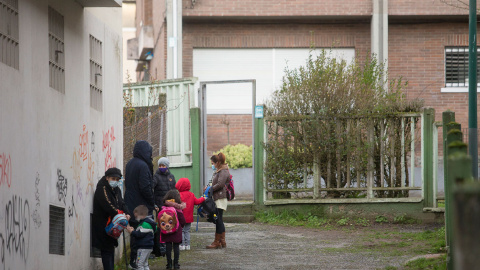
{"type": "Point", "coordinates": [132, 266]}
{"type": "Point", "coordinates": [176, 266]}
{"type": "Point", "coordinates": [187, 247]}
{"type": "Point", "coordinates": [182, 247]}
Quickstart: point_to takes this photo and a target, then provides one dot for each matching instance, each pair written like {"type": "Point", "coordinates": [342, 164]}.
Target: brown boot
{"type": "Point", "coordinates": [222, 240]}
{"type": "Point", "coordinates": [216, 243]}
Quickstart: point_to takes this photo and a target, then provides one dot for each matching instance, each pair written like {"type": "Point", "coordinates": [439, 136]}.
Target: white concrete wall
{"type": "Point", "coordinates": [129, 31]}
{"type": "Point", "coordinates": [44, 133]}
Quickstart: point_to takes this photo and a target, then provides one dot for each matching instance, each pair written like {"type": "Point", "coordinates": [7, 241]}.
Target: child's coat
{"type": "Point", "coordinates": [183, 186]}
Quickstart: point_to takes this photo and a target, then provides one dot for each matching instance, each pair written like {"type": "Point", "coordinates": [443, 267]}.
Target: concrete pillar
{"type": "Point", "coordinates": [379, 30]}
{"type": "Point", "coordinates": [174, 39]}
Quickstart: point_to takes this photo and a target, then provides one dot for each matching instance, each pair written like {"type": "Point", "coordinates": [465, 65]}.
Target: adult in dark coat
{"type": "Point", "coordinates": [163, 181]}
{"type": "Point", "coordinates": [107, 203]}
{"type": "Point", "coordinates": [138, 185]}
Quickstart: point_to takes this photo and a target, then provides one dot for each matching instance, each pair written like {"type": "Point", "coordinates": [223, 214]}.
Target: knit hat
{"type": "Point", "coordinates": [164, 161]}
{"type": "Point", "coordinates": [114, 172]}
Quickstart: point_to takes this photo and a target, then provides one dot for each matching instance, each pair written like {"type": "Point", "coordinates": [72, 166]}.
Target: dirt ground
{"type": "Point", "coordinates": [262, 246]}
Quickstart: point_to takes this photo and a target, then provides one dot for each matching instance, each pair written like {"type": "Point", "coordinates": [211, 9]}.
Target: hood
{"type": "Point", "coordinates": [183, 184]}
{"type": "Point", "coordinates": [143, 151]}
{"type": "Point", "coordinates": [149, 221]}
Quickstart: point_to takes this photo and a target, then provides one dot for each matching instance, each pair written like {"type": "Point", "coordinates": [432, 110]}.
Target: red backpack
{"type": "Point", "coordinates": [230, 189]}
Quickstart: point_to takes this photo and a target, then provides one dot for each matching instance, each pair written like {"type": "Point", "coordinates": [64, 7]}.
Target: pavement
{"type": "Point", "coordinates": [261, 246]}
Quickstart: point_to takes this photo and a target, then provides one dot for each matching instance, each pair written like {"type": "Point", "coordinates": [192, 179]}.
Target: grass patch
{"type": "Point", "coordinates": [434, 264]}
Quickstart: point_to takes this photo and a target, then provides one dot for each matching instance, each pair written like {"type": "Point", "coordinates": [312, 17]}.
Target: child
{"type": "Point", "coordinates": [183, 186]}
{"type": "Point", "coordinates": [173, 201]}
{"type": "Point", "coordinates": [143, 236]}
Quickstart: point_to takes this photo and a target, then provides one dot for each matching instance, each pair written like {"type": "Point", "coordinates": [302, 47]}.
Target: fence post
{"type": "Point", "coordinates": [466, 218]}
{"type": "Point", "coordinates": [195, 133]}
{"type": "Point", "coordinates": [428, 120]}
{"type": "Point", "coordinates": [447, 117]}
{"type": "Point", "coordinates": [258, 149]}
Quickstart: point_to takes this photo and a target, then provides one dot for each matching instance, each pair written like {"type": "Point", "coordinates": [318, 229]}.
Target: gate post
{"type": "Point", "coordinates": [195, 133]}
{"type": "Point", "coordinates": [428, 120]}
{"type": "Point", "coordinates": [258, 159]}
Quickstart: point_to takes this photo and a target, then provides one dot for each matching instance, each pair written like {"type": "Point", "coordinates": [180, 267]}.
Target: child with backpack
{"type": "Point", "coordinates": [183, 186]}
{"type": "Point", "coordinates": [171, 221]}
{"type": "Point", "coordinates": [143, 236]}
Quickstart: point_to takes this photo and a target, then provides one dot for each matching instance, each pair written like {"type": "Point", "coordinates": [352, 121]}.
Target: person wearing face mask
{"type": "Point", "coordinates": [107, 203]}
{"type": "Point", "coordinates": [163, 181]}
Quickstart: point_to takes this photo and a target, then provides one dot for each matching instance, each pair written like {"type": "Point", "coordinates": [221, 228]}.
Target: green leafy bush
{"type": "Point", "coordinates": [238, 156]}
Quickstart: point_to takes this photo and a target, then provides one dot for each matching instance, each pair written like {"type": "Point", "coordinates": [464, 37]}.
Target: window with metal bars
{"type": "Point", "coordinates": [96, 73]}
{"type": "Point", "coordinates": [456, 67]}
{"type": "Point", "coordinates": [9, 49]}
{"type": "Point", "coordinates": [56, 231]}
{"type": "Point", "coordinates": [56, 47]}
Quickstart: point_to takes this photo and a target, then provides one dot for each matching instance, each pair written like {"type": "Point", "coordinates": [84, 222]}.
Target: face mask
{"type": "Point", "coordinates": [137, 219]}
{"type": "Point", "coordinates": [163, 170]}
{"type": "Point", "coordinates": [213, 168]}
{"type": "Point", "coordinates": [113, 184]}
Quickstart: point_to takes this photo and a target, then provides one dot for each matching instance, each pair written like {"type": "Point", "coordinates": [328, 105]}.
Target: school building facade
{"type": "Point", "coordinates": [424, 42]}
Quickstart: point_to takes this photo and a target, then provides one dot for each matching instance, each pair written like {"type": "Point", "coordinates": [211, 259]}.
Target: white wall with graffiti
{"type": "Point", "coordinates": [54, 147]}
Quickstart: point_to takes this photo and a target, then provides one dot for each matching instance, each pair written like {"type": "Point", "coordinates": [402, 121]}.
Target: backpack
{"type": "Point", "coordinates": [230, 189]}
{"type": "Point", "coordinates": [208, 209]}
{"type": "Point", "coordinates": [167, 220]}
{"type": "Point", "coordinates": [116, 225]}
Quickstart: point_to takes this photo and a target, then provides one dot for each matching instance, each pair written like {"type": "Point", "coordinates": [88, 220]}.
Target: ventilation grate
{"type": "Point", "coordinates": [56, 236]}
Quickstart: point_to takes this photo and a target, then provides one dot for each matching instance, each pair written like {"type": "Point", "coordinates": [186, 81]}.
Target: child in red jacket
{"type": "Point", "coordinates": [183, 186]}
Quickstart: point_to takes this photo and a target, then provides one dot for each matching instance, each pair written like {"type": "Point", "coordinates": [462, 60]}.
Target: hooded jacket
{"type": "Point", "coordinates": [107, 201]}
{"type": "Point", "coordinates": [144, 234]}
{"type": "Point", "coordinates": [162, 183]}
{"type": "Point", "coordinates": [138, 178]}
{"type": "Point", "coordinates": [183, 186]}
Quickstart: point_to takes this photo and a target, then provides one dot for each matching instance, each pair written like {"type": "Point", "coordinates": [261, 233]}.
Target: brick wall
{"type": "Point", "coordinates": [417, 52]}
{"type": "Point", "coordinates": [276, 7]}
{"type": "Point", "coordinates": [262, 35]}
{"type": "Point", "coordinates": [239, 130]}
{"type": "Point", "coordinates": [436, 7]}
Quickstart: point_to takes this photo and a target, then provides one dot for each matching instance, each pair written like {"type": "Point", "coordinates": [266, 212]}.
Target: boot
{"type": "Point", "coordinates": [216, 243]}
{"type": "Point", "coordinates": [169, 264]}
{"type": "Point", "coordinates": [222, 240]}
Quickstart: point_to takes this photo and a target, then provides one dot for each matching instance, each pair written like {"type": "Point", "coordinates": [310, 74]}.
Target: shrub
{"type": "Point", "coordinates": [238, 156]}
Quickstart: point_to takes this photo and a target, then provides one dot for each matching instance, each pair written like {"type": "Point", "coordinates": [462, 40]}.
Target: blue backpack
{"type": "Point", "coordinates": [116, 226]}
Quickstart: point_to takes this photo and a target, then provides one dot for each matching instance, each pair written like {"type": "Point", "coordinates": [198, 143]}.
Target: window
{"type": "Point", "coordinates": [456, 67]}
{"type": "Point", "coordinates": [56, 230]}
{"type": "Point", "coordinates": [95, 73]}
{"type": "Point", "coordinates": [9, 53]}
{"type": "Point", "coordinates": [56, 50]}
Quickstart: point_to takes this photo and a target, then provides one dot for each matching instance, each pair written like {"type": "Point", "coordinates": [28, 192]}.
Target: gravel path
{"type": "Point", "coordinates": [261, 246]}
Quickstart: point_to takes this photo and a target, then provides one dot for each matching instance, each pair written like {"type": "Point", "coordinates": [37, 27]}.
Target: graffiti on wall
{"type": "Point", "coordinates": [93, 142]}
{"type": "Point", "coordinates": [90, 173]}
{"type": "Point", "coordinates": [76, 165]}
{"type": "Point", "coordinates": [61, 186]}
{"type": "Point", "coordinates": [15, 237]}
{"type": "Point", "coordinates": [108, 139]}
{"type": "Point", "coordinates": [5, 170]}
{"type": "Point", "coordinates": [83, 141]}
{"type": "Point", "coordinates": [37, 219]}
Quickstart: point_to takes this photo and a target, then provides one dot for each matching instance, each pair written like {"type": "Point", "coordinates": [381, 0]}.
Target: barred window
{"type": "Point", "coordinates": [9, 49]}
{"type": "Point", "coordinates": [95, 73]}
{"type": "Point", "coordinates": [456, 67]}
{"type": "Point", "coordinates": [56, 47]}
{"type": "Point", "coordinates": [56, 230]}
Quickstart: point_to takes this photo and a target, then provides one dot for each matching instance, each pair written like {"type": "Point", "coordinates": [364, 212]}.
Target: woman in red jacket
{"type": "Point", "coordinates": [183, 186]}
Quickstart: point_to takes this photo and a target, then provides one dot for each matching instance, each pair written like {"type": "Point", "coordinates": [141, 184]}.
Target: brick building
{"type": "Point", "coordinates": [423, 41]}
